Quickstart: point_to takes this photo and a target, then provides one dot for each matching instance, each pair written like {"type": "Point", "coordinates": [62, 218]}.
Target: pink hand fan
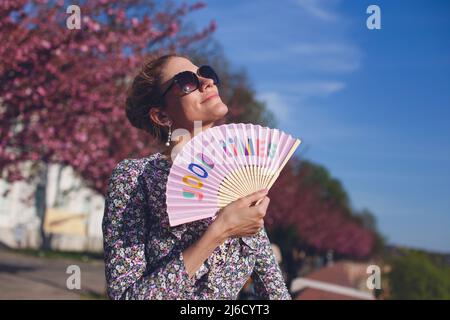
{"type": "Point", "coordinates": [223, 164]}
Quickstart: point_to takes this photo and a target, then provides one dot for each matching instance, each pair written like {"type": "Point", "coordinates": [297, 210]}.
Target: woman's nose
{"type": "Point", "coordinates": [206, 82]}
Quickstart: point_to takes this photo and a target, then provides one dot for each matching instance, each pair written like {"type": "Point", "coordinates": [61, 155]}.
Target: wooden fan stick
{"type": "Point", "coordinates": [244, 177]}
{"type": "Point", "coordinates": [234, 180]}
{"type": "Point", "coordinates": [277, 173]}
{"type": "Point", "coordinates": [289, 155]}
{"type": "Point", "coordinates": [272, 166]}
{"type": "Point", "coordinates": [263, 135]}
{"type": "Point", "coordinates": [229, 186]}
{"type": "Point", "coordinates": [225, 195]}
{"type": "Point", "coordinates": [255, 177]}
{"type": "Point", "coordinates": [249, 166]}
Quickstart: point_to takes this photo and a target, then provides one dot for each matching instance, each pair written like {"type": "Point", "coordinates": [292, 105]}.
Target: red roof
{"type": "Point", "coordinates": [348, 275]}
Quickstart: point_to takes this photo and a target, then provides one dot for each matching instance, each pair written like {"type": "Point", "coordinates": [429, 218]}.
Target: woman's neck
{"type": "Point", "coordinates": [166, 154]}
{"type": "Point", "coordinates": [167, 151]}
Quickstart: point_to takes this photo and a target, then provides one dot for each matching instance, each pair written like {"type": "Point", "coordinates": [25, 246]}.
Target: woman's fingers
{"type": "Point", "coordinates": [244, 219]}
{"type": "Point", "coordinates": [262, 207]}
{"type": "Point", "coordinates": [248, 200]}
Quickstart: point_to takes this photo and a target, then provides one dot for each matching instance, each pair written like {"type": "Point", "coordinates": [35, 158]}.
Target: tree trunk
{"type": "Point", "coordinates": [41, 205]}
{"type": "Point", "coordinates": [57, 203]}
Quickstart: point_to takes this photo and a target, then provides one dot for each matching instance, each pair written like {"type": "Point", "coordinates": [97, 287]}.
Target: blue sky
{"type": "Point", "coordinates": [371, 105]}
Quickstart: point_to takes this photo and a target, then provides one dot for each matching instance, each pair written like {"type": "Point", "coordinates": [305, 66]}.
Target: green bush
{"type": "Point", "coordinates": [416, 276]}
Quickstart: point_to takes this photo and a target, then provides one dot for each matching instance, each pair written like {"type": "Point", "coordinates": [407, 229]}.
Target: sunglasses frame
{"type": "Point", "coordinates": [197, 80]}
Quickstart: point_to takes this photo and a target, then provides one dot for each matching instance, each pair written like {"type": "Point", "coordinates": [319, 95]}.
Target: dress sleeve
{"type": "Point", "coordinates": [267, 277]}
{"type": "Point", "coordinates": [124, 237]}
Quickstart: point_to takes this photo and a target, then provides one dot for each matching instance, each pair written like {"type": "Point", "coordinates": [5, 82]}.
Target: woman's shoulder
{"type": "Point", "coordinates": [133, 165]}
{"type": "Point", "coordinates": [132, 168]}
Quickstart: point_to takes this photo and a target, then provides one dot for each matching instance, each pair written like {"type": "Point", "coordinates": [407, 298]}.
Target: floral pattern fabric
{"type": "Point", "coordinates": [144, 255]}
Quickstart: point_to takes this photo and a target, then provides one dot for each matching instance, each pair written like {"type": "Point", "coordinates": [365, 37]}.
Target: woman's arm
{"type": "Point", "coordinates": [124, 245]}
{"type": "Point", "coordinates": [267, 276]}
{"type": "Point", "coordinates": [124, 238]}
{"type": "Point", "coordinates": [238, 218]}
{"type": "Point", "coordinates": [198, 252]}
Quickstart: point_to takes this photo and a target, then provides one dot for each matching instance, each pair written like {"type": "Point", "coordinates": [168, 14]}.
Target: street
{"type": "Point", "coordinates": [29, 277]}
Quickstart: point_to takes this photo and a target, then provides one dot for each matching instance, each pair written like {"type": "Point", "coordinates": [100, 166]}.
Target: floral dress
{"type": "Point", "coordinates": [144, 255]}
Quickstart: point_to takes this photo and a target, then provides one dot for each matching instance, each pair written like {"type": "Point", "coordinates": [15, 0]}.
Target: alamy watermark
{"type": "Point", "coordinates": [74, 280]}
{"type": "Point", "coordinates": [374, 280]}
{"type": "Point", "coordinates": [373, 22]}
{"type": "Point", "coordinates": [74, 20]}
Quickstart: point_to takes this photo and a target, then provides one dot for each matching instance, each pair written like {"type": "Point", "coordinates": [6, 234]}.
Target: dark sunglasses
{"type": "Point", "coordinates": [188, 81]}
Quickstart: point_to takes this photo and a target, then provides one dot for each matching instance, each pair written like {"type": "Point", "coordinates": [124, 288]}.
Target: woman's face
{"type": "Point", "coordinates": [184, 109]}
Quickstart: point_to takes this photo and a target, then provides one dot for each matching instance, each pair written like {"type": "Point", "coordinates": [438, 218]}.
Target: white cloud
{"type": "Point", "coordinates": [276, 103]}
{"type": "Point", "coordinates": [291, 107]}
{"type": "Point", "coordinates": [319, 9]}
{"type": "Point", "coordinates": [317, 126]}
{"type": "Point", "coordinates": [332, 57]}
{"type": "Point", "coordinates": [313, 56]}
{"type": "Point", "coordinates": [315, 88]}
{"type": "Point", "coordinates": [310, 48]}
{"type": "Point", "coordinates": [299, 92]}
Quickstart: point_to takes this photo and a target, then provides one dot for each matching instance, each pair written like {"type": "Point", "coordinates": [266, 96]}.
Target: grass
{"type": "Point", "coordinates": [73, 255]}
{"type": "Point", "coordinates": [93, 296]}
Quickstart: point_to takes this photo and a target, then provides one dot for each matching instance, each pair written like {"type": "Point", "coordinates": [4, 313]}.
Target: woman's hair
{"type": "Point", "coordinates": [145, 93]}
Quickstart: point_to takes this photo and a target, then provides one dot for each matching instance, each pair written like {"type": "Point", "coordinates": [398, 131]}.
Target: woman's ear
{"type": "Point", "coordinates": [159, 117]}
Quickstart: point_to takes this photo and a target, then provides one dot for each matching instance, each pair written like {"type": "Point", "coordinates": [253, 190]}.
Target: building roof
{"type": "Point", "coordinates": [338, 281]}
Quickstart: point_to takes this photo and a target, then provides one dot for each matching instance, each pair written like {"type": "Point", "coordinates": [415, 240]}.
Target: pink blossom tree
{"type": "Point", "coordinates": [62, 90]}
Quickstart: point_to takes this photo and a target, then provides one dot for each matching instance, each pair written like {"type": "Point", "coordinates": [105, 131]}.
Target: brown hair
{"type": "Point", "coordinates": [145, 93]}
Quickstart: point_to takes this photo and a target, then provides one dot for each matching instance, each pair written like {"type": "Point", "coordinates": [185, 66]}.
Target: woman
{"type": "Point", "coordinates": [212, 258]}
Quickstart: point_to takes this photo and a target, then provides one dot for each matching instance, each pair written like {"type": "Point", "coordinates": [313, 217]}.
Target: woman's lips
{"type": "Point", "coordinates": [210, 97]}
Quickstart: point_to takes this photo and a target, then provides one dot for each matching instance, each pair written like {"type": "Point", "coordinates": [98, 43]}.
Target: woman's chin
{"type": "Point", "coordinates": [215, 111]}
{"type": "Point", "coordinates": [220, 110]}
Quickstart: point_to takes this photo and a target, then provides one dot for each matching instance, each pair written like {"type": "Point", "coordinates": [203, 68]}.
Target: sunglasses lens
{"type": "Point", "coordinates": [187, 81]}
{"type": "Point", "coordinates": [208, 72]}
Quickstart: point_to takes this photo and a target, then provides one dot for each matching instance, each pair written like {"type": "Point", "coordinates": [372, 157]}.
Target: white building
{"type": "Point", "coordinates": [75, 221]}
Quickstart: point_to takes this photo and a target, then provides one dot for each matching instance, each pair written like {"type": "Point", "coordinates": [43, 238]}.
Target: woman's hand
{"type": "Point", "coordinates": [240, 219]}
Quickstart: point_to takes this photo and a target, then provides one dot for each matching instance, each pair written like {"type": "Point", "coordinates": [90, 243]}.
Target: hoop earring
{"type": "Point", "coordinates": [169, 136]}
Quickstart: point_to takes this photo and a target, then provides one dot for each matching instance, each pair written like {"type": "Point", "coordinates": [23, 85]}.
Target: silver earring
{"type": "Point", "coordinates": [169, 136]}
